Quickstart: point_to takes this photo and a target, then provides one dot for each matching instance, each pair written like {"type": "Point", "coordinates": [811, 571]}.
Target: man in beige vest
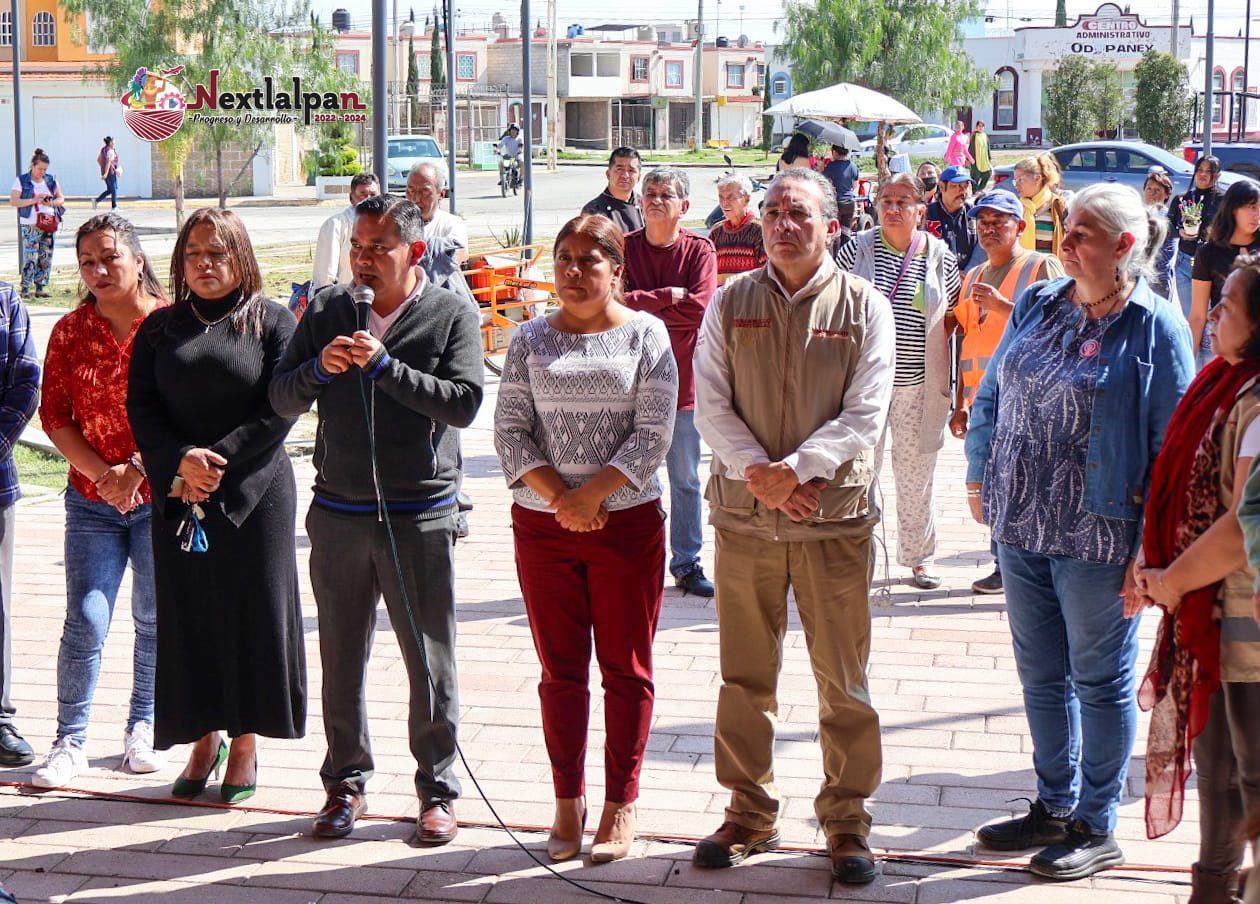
{"type": "Point", "coordinates": [794, 371]}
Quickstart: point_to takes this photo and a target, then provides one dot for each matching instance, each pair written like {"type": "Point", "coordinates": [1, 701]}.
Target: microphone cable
{"type": "Point", "coordinates": [369, 416]}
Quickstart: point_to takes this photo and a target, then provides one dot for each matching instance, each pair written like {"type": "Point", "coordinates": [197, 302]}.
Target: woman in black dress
{"type": "Point", "coordinates": [229, 623]}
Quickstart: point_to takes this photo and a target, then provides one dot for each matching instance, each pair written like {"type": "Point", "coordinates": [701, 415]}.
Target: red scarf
{"type": "Point", "coordinates": [1185, 669]}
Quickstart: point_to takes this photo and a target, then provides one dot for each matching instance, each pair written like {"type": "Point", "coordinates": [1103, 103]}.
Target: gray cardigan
{"type": "Point", "coordinates": [937, 398]}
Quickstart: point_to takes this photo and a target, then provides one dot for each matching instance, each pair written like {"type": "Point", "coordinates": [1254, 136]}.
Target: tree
{"type": "Point", "coordinates": [437, 78]}
{"type": "Point", "coordinates": [1060, 14]}
{"type": "Point", "coordinates": [1161, 100]}
{"type": "Point", "coordinates": [245, 41]}
{"type": "Point", "coordinates": [910, 49]}
{"type": "Point", "coordinates": [1106, 98]}
{"type": "Point", "coordinates": [1066, 112]}
{"type": "Point", "coordinates": [413, 82]}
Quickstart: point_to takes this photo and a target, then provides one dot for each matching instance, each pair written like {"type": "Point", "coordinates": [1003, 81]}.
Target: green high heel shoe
{"type": "Point", "coordinates": [189, 788]}
{"type": "Point", "coordinates": [234, 794]}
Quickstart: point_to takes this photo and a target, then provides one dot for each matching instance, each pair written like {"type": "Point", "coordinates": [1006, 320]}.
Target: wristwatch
{"type": "Point", "coordinates": [136, 463]}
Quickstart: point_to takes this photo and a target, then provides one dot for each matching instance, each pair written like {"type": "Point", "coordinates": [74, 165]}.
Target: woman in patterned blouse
{"type": "Point", "coordinates": [83, 409]}
{"type": "Point", "coordinates": [1065, 426]}
{"type": "Point", "coordinates": [584, 419]}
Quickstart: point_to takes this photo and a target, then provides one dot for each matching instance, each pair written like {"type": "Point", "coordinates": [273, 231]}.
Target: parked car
{"type": "Point", "coordinates": [404, 151]}
{"type": "Point", "coordinates": [1241, 157]}
{"type": "Point", "coordinates": [919, 140]}
{"type": "Point", "coordinates": [1127, 162]}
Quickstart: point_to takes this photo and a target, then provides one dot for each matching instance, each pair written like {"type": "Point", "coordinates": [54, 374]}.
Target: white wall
{"type": "Point", "coordinates": [68, 119]}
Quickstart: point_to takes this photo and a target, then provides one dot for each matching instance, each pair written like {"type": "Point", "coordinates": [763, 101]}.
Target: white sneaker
{"type": "Point", "coordinates": [63, 763]}
{"type": "Point", "coordinates": [138, 753]}
{"type": "Point", "coordinates": [94, 203]}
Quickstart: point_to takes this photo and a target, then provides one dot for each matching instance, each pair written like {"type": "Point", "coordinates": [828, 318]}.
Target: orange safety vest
{"type": "Point", "coordinates": [982, 330]}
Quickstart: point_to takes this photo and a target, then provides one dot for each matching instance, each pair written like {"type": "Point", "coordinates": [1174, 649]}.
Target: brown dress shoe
{"type": "Point", "coordinates": [851, 859]}
{"type": "Point", "coordinates": [345, 804]}
{"type": "Point", "coordinates": [436, 823]}
{"type": "Point", "coordinates": [732, 844]}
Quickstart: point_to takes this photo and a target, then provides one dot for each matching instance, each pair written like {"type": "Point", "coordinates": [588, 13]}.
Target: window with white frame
{"type": "Point", "coordinates": [1004, 100]}
{"type": "Point", "coordinates": [673, 74]}
{"type": "Point", "coordinates": [466, 67]}
{"type": "Point", "coordinates": [43, 30]}
{"type": "Point", "coordinates": [348, 62]}
{"type": "Point", "coordinates": [639, 69]}
{"type": "Point", "coordinates": [761, 73]}
{"type": "Point", "coordinates": [6, 29]}
{"type": "Point", "coordinates": [735, 75]}
{"type": "Point", "coordinates": [779, 86]}
{"type": "Point", "coordinates": [1218, 99]}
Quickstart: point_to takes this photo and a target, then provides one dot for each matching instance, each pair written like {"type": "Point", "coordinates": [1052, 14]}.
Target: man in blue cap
{"type": "Point", "coordinates": [987, 297]}
{"type": "Point", "coordinates": [946, 216]}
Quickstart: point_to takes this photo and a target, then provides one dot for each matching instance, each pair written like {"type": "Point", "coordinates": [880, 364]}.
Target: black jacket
{"type": "Point", "coordinates": [427, 381]}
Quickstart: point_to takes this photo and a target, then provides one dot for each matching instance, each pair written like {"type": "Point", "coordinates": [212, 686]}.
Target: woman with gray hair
{"type": "Point", "coordinates": [1064, 430]}
{"type": "Point", "coordinates": [919, 275]}
{"type": "Point", "coordinates": [737, 238]}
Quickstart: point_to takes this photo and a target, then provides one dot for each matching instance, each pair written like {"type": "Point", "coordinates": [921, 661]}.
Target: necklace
{"type": "Point", "coordinates": [1091, 347]}
{"type": "Point", "coordinates": [211, 323]}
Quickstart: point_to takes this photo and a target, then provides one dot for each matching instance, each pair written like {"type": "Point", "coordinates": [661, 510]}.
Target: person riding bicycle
{"type": "Point", "coordinates": [510, 145]}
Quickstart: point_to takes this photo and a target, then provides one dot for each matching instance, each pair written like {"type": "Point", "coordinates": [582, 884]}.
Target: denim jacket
{"type": "Point", "coordinates": [1145, 364]}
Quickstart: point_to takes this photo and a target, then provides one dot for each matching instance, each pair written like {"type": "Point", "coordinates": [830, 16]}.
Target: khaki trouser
{"type": "Point", "coordinates": [831, 580]}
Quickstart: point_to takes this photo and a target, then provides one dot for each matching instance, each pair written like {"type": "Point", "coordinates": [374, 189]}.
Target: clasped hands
{"type": "Point", "coordinates": [201, 471]}
{"type": "Point", "coordinates": [119, 486]}
{"type": "Point", "coordinates": [580, 510]}
{"type": "Point", "coordinates": [775, 485]}
{"type": "Point", "coordinates": [343, 352]}
{"type": "Point", "coordinates": [1149, 587]}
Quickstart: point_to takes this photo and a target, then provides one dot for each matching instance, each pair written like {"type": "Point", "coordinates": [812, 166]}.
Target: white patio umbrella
{"type": "Point", "coordinates": [845, 101]}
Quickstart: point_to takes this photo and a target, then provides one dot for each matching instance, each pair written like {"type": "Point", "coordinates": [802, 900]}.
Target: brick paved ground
{"type": "Point", "coordinates": [956, 753]}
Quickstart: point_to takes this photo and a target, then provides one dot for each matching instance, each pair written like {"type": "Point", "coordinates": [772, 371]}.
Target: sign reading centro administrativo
{"type": "Point", "coordinates": [1107, 33]}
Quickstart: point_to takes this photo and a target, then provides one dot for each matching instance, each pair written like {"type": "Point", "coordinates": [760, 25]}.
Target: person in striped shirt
{"type": "Point", "coordinates": [738, 237]}
{"type": "Point", "coordinates": [919, 275]}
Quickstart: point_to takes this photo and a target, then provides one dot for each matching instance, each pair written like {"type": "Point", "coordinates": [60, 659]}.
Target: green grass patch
{"type": "Point", "coordinates": [39, 468]}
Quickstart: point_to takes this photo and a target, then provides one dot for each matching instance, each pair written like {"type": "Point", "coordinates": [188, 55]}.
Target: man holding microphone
{"type": "Point", "coordinates": [395, 363]}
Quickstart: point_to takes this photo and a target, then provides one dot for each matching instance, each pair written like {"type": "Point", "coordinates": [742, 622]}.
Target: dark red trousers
{"type": "Point", "coordinates": [607, 583]}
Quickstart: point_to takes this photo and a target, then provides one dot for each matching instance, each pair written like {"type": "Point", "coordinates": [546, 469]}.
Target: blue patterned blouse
{"type": "Point", "coordinates": [1034, 483]}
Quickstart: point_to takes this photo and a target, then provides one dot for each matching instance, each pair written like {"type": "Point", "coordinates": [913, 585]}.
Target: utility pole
{"type": "Point", "coordinates": [380, 94]}
{"type": "Point", "coordinates": [1207, 78]}
{"type": "Point", "coordinates": [1243, 99]}
{"type": "Point", "coordinates": [450, 102]}
{"type": "Point", "coordinates": [397, 107]}
{"type": "Point", "coordinates": [527, 126]}
{"type": "Point", "coordinates": [1176, 17]}
{"type": "Point", "coordinates": [699, 74]}
{"type": "Point", "coordinates": [553, 100]}
{"type": "Point", "coordinates": [16, 45]}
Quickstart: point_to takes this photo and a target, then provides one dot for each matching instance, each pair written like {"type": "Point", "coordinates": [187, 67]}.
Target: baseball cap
{"type": "Point", "coordinates": [955, 174]}
{"type": "Point", "coordinates": [1000, 200]}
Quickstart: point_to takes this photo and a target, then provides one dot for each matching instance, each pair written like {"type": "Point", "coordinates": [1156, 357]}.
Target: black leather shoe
{"type": "Point", "coordinates": [14, 751]}
{"type": "Point", "coordinates": [1037, 829]}
{"type": "Point", "coordinates": [1079, 855]}
{"type": "Point", "coordinates": [694, 581]}
{"type": "Point", "coordinates": [345, 804]}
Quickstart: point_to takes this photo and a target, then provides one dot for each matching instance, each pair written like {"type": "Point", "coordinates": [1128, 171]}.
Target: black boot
{"type": "Point", "coordinates": [1213, 888]}
{"type": "Point", "coordinates": [1037, 829]}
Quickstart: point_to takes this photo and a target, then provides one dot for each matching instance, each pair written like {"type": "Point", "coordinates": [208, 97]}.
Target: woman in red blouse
{"type": "Point", "coordinates": [83, 409]}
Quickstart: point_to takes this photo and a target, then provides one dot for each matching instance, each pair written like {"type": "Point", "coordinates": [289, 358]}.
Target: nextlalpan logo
{"type": "Point", "coordinates": [154, 109]}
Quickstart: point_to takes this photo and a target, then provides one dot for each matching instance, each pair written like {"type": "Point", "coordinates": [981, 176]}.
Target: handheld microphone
{"type": "Point", "coordinates": [363, 297]}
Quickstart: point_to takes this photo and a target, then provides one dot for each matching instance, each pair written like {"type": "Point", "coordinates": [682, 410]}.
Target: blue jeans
{"type": "Point", "coordinates": [1182, 271]}
{"type": "Point", "coordinates": [99, 543]}
{"type": "Point", "coordinates": [1075, 652]}
{"type": "Point", "coordinates": [111, 191]}
{"type": "Point", "coordinates": [686, 527]}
